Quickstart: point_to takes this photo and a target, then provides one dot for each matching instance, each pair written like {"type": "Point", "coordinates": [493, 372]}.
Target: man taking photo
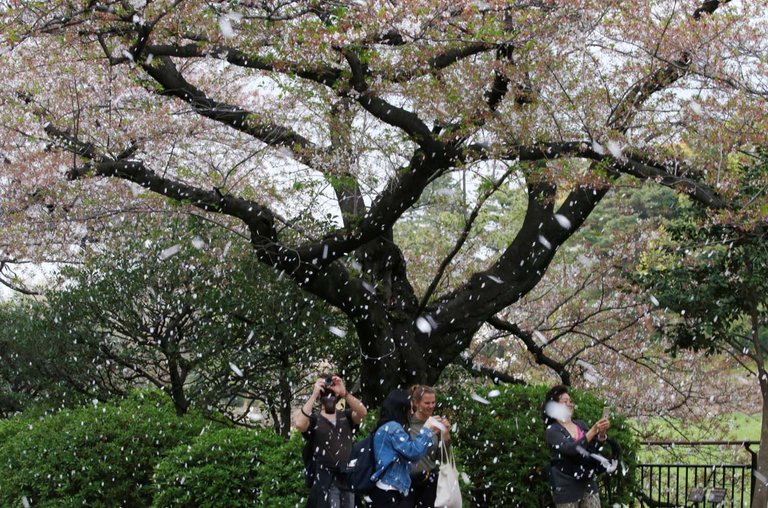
{"type": "Point", "coordinates": [329, 434]}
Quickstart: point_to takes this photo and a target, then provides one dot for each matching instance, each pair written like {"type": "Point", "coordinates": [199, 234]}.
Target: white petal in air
{"type": "Point", "coordinates": [563, 221]}
{"type": "Point", "coordinates": [236, 369]}
{"type": "Point", "coordinates": [696, 108]}
{"type": "Point", "coordinates": [495, 279]}
{"type": "Point", "coordinates": [170, 251]}
{"type": "Point", "coordinates": [198, 243]}
{"type": "Point", "coordinates": [597, 147]}
{"type": "Point", "coordinates": [591, 378]}
{"type": "Point", "coordinates": [465, 478]}
{"type": "Point", "coordinates": [423, 325]}
{"type": "Point", "coordinates": [479, 398]}
{"type": "Point", "coordinates": [337, 331]}
{"type": "Point", "coordinates": [615, 148]}
{"type": "Point", "coordinates": [226, 27]}
{"type": "Point", "coordinates": [545, 242]}
{"type": "Point", "coordinates": [494, 393]}
{"type": "Point", "coordinates": [654, 301]}
{"type": "Point", "coordinates": [540, 336]}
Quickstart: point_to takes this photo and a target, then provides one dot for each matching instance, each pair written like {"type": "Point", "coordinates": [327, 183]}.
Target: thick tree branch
{"type": "Point", "coordinates": [516, 272]}
{"type": "Point", "coordinates": [401, 193]}
{"type": "Point", "coordinates": [442, 61]}
{"type": "Point", "coordinates": [494, 375]}
{"type": "Point", "coordinates": [344, 182]}
{"type": "Point", "coordinates": [324, 75]}
{"type": "Point", "coordinates": [258, 217]}
{"type": "Point", "coordinates": [535, 349]}
{"type": "Point", "coordinates": [668, 174]}
{"type": "Point", "coordinates": [627, 109]}
{"type": "Point", "coordinates": [708, 7]}
{"type": "Point", "coordinates": [405, 120]}
{"type": "Point", "coordinates": [163, 70]}
{"type": "Point", "coordinates": [462, 238]}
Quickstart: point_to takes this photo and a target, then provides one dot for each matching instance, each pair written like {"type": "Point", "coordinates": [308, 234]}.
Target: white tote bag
{"type": "Point", "coordinates": [448, 492]}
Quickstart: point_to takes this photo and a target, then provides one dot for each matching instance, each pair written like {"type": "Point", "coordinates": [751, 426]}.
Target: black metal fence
{"type": "Point", "coordinates": [697, 485]}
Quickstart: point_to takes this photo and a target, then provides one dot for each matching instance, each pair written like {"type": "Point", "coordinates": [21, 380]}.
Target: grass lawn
{"type": "Point", "coordinates": [728, 427]}
{"type": "Point", "coordinates": [745, 427]}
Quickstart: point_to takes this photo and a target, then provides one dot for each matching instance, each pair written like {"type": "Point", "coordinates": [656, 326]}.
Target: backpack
{"type": "Point", "coordinates": [362, 465]}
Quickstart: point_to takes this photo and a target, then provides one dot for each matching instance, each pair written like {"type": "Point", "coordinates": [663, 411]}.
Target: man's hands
{"type": "Point", "coordinates": [337, 387]}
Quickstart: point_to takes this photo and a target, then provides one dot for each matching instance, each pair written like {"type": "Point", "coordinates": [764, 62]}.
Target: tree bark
{"type": "Point", "coordinates": [760, 479]}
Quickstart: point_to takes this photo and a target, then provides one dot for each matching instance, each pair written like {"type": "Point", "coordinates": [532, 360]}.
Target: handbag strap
{"type": "Point", "coordinates": [446, 457]}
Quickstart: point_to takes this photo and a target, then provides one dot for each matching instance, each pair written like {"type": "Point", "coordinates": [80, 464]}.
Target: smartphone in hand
{"type": "Point", "coordinates": [606, 412]}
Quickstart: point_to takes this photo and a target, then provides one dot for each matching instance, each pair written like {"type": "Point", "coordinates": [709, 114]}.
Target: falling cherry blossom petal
{"type": "Point", "coordinates": [236, 369]}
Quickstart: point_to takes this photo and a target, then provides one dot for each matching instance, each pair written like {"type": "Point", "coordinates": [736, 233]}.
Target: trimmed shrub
{"type": "Point", "coordinates": [234, 468]}
{"type": "Point", "coordinates": [501, 445]}
{"type": "Point", "coordinates": [98, 456]}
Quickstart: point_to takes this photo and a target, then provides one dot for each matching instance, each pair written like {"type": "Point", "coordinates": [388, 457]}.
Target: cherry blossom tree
{"type": "Point", "coordinates": [313, 128]}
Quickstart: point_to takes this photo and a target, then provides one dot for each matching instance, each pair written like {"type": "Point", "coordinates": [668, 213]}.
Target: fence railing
{"type": "Point", "coordinates": [697, 485]}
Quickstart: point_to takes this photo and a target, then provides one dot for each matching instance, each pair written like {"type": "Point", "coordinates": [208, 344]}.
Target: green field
{"type": "Point", "coordinates": [728, 427]}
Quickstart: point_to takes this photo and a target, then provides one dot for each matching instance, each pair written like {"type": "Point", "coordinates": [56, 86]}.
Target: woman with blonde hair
{"type": "Point", "coordinates": [424, 472]}
{"type": "Point", "coordinates": [395, 450]}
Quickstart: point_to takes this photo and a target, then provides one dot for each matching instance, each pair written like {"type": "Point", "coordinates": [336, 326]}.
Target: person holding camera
{"type": "Point", "coordinates": [424, 472]}
{"type": "Point", "coordinates": [329, 434]}
{"type": "Point", "coordinates": [571, 443]}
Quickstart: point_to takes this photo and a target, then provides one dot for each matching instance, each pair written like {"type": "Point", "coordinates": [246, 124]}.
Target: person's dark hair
{"type": "Point", "coordinates": [553, 395]}
{"type": "Point", "coordinates": [395, 408]}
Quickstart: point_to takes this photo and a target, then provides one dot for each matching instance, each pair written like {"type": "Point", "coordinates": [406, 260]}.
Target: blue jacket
{"type": "Point", "coordinates": [393, 445]}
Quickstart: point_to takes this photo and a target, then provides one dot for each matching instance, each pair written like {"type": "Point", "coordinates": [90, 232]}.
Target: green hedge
{"type": "Point", "coordinates": [234, 468]}
{"type": "Point", "coordinates": [501, 445]}
{"type": "Point", "coordinates": [137, 452]}
{"type": "Point", "coordinates": [96, 456]}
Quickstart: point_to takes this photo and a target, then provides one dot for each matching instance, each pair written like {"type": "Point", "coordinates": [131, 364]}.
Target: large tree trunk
{"type": "Point", "coordinates": [760, 499]}
{"type": "Point", "coordinates": [401, 343]}
{"type": "Point", "coordinates": [760, 476]}
{"type": "Point", "coordinates": [286, 397]}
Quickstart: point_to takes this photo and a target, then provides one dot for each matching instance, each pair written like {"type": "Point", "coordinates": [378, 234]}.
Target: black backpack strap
{"type": "Point", "coordinates": [308, 450]}
{"type": "Point", "coordinates": [310, 432]}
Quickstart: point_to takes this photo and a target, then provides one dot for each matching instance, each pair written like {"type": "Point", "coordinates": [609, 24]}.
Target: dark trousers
{"type": "Point", "coordinates": [385, 498]}
{"type": "Point", "coordinates": [423, 492]}
{"type": "Point", "coordinates": [330, 490]}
